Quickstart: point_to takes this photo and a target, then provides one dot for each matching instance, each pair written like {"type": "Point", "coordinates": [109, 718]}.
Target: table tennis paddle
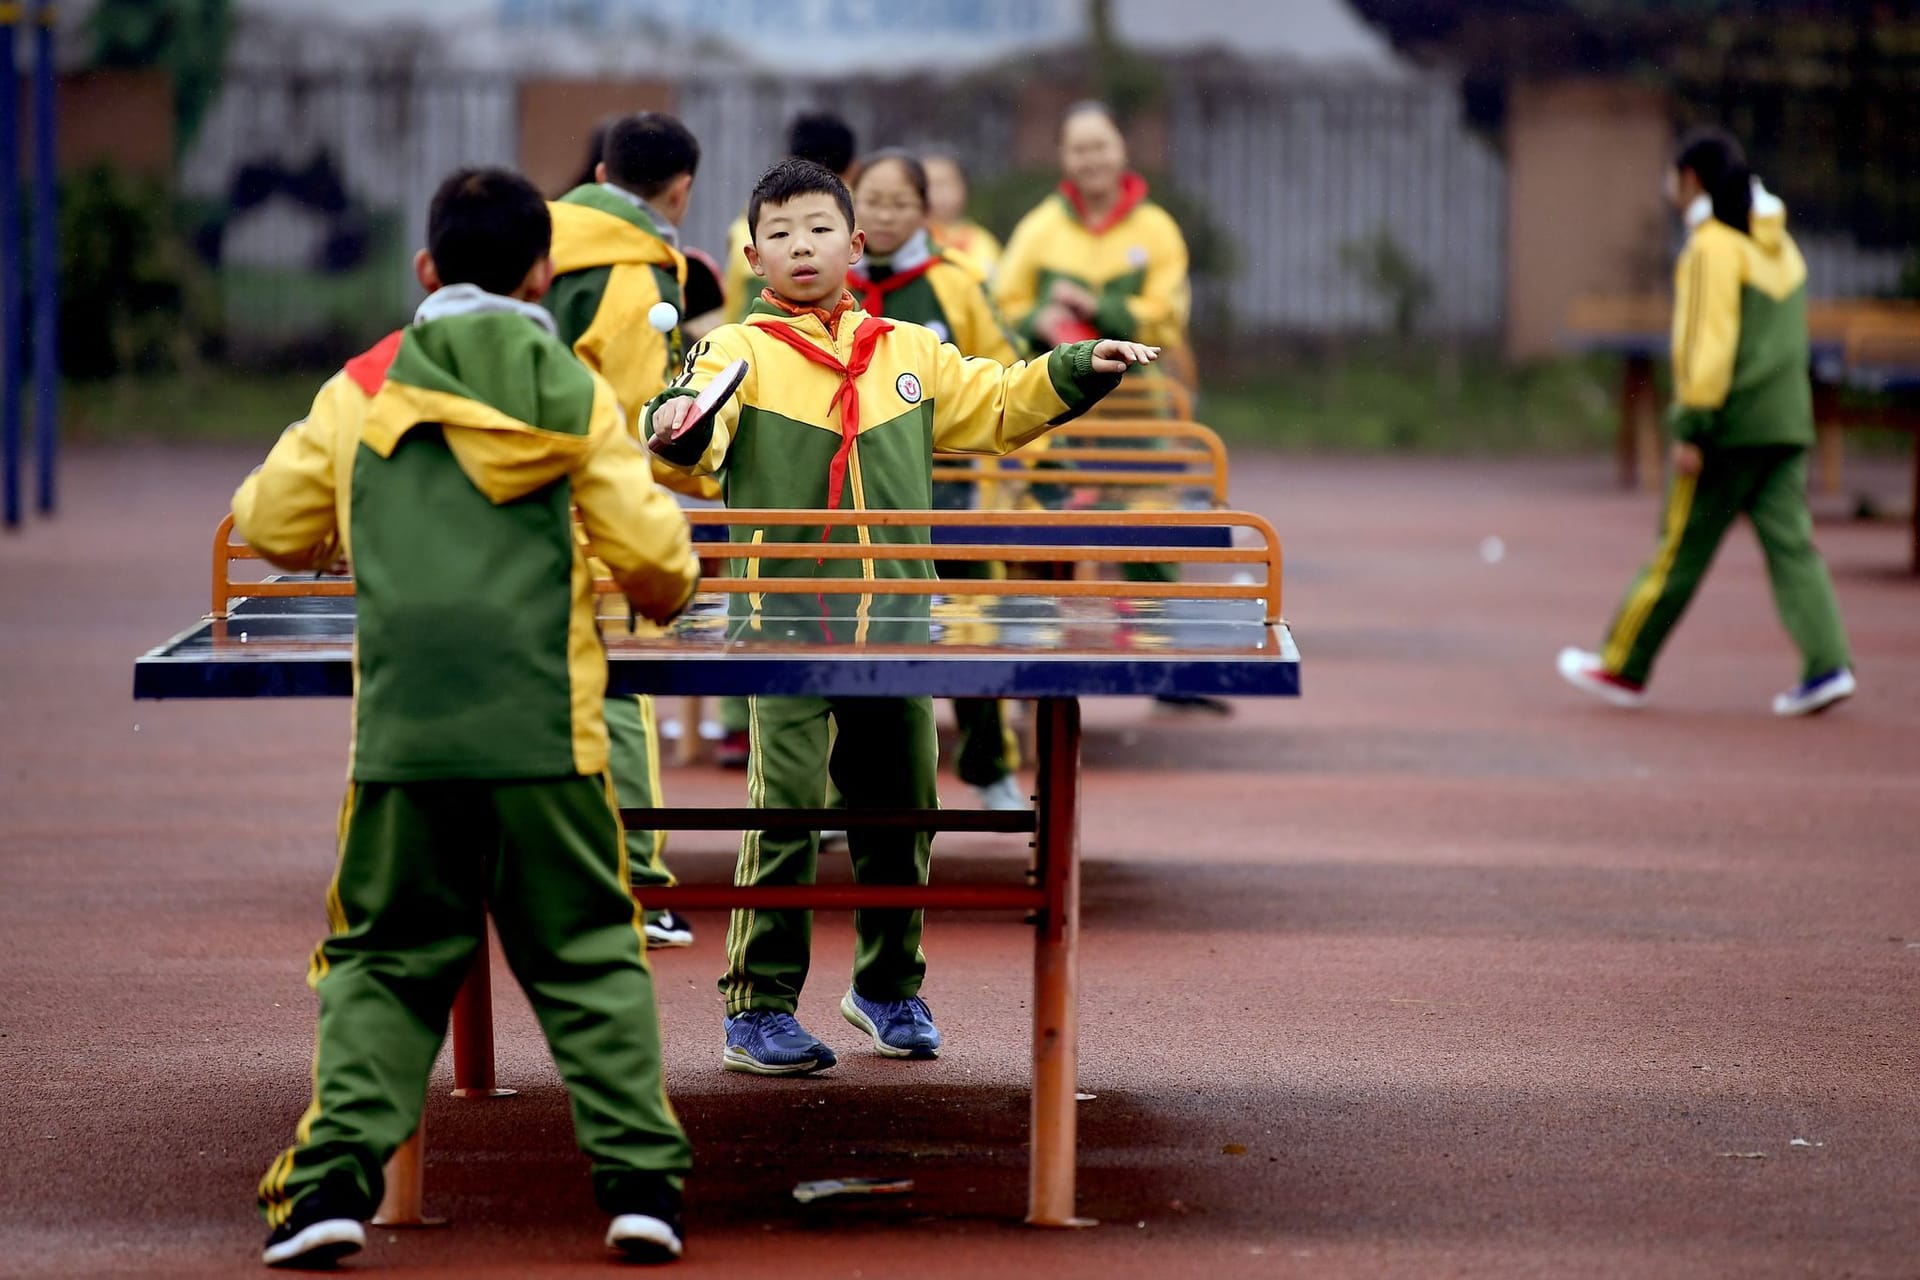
{"type": "Point", "coordinates": [717, 393]}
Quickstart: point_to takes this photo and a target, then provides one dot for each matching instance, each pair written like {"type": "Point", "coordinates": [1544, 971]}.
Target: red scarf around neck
{"type": "Point", "coordinates": [847, 398]}
{"type": "Point", "coordinates": [1133, 190]}
{"type": "Point", "coordinates": [873, 294]}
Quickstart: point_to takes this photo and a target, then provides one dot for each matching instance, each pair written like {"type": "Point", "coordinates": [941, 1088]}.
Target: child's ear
{"type": "Point", "coordinates": [425, 272]}
{"type": "Point", "coordinates": [753, 260]}
{"type": "Point", "coordinates": [600, 171]}
{"type": "Point", "coordinates": [538, 280]}
{"type": "Point", "coordinates": [858, 243]}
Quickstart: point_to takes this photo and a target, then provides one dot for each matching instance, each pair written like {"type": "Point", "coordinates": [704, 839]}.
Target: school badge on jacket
{"type": "Point", "coordinates": [909, 388]}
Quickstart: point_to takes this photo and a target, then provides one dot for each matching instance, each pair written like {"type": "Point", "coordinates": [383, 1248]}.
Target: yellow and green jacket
{"type": "Point", "coordinates": [446, 464]}
{"type": "Point", "coordinates": [611, 266]}
{"type": "Point", "coordinates": [976, 245]}
{"type": "Point", "coordinates": [936, 288]}
{"type": "Point", "coordinates": [1134, 262]}
{"type": "Point", "coordinates": [1740, 332]}
{"type": "Point", "coordinates": [779, 441]}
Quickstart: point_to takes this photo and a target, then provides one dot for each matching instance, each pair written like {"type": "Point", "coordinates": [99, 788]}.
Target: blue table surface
{"type": "Point", "coordinates": [972, 646]}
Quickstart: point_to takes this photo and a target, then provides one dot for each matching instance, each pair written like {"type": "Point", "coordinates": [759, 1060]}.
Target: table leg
{"type": "Point", "coordinates": [1913, 509]}
{"type": "Point", "coordinates": [1050, 1189]}
{"type": "Point", "coordinates": [1637, 444]}
{"type": "Point", "coordinates": [473, 1030]}
{"type": "Point", "coordinates": [403, 1203]}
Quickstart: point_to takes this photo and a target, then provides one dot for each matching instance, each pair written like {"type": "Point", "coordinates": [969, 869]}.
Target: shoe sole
{"type": "Point", "coordinates": [639, 1238]}
{"type": "Point", "coordinates": [851, 1012]}
{"type": "Point", "coordinates": [318, 1246]}
{"type": "Point", "coordinates": [735, 1060]}
{"type": "Point", "coordinates": [1814, 708]}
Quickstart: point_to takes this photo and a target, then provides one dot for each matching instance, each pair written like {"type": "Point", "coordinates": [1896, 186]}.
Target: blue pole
{"type": "Point", "coordinates": [46, 247]}
{"type": "Point", "coordinates": [10, 263]}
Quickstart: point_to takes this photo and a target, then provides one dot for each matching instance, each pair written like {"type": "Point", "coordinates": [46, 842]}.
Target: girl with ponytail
{"type": "Point", "coordinates": [1742, 422]}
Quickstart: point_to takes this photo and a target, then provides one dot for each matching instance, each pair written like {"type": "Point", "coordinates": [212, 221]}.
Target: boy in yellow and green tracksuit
{"type": "Point", "coordinates": [904, 276]}
{"type": "Point", "coordinates": [1742, 422]}
{"type": "Point", "coordinates": [446, 465]}
{"type": "Point", "coordinates": [615, 259]}
{"type": "Point", "coordinates": [841, 409]}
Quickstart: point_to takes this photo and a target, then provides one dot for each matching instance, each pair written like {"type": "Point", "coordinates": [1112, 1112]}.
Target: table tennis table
{"type": "Point", "coordinates": [1053, 642]}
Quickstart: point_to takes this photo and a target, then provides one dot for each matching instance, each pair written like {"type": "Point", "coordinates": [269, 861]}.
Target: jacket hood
{"type": "Point", "coordinates": [595, 227]}
{"type": "Point", "coordinates": [485, 375]}
{"type": "Point", "coordinates": [1766, 223]}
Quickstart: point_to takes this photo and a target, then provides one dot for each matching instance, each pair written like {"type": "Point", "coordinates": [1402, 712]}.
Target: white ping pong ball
{"type": "Point", "coordinates": [662, 316]}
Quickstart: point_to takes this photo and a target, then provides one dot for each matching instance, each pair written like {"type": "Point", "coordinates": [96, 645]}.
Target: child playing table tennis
{"type": "Point", "coordinates": [840, 408]}
{"type": "Point", "coordinates": [905, 276]}
{"type": "Point", "coordinates": [447, 463]}
{"type": "Point", "coordinates": [618, 272]}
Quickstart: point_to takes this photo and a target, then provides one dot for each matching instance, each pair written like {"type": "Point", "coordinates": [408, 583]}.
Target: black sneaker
{"type": "Point", "coordinates": [649, 1229]}
{"type": "Point", "coordinates": [318, 1233]}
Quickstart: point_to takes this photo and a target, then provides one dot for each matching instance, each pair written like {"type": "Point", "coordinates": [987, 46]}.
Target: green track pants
{"type": "Point", "coordinates": [633, 757]}
{"type": "Point", "coordinates": [879, 752]}
{"type": "Point", "coordinates": [1768, 485]}
{"type": "Point", "coordinates": [420, 866]}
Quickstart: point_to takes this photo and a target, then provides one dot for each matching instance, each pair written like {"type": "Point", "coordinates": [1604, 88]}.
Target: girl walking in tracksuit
{"type": "Point", "coordinates": [1742, 422]}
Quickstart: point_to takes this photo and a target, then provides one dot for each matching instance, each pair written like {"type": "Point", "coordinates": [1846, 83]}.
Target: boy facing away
{"type": "Point", "coordinates": [446, 464]}
{"type": "Point", "coordinates": [841, 409]}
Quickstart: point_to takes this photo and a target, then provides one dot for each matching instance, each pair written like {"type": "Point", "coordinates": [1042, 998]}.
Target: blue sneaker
{"type": "Point", "coordinates": [1816, 695]}
{"type": "Point", "coordinates": [900, 1028]}
{"type": "Point", "coordinates": [767, 1042]}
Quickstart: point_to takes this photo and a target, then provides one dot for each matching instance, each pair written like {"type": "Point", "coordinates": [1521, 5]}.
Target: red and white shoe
{"type": "Point", "coordinates": [1585, 672]}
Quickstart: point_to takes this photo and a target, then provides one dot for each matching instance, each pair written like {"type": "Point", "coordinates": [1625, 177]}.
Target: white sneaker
{"type": "Point", "coordinates": [833, 836]}
{"type": "Point", "coordinates": [1584, 672]}
{"type": "Point", "coordinates": [668, 930]}
{"type": "Point", "coordinates": [643, 1238]}
{"type": "Point", "coordinates": [1003, 793]}
{"type": "Point", "coordinates": [1817, 695]}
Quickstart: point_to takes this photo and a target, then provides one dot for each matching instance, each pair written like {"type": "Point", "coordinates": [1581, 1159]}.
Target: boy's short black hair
{"type": "Point", "coordinates": [487, 227]}
{"type": "Point", "coordinates": [824, 138]}
{"type": "Point", "coordinates": [790, 179]}
{"type": "Point", "coordinates": [646, 151]}
{"type": "Point", "coordinates": [909, 163]}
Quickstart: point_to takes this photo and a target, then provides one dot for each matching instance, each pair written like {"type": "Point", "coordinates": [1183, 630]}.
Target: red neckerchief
{"type": "Point", "coordinates": [1133, 189]}
{"type": "Point", "coordinates": [847, 398]}
{"type": "Point", "coordinates": [873, 294]}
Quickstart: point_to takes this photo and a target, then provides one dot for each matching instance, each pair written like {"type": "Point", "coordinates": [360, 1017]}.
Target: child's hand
{"type": "Point", "coordinates": [1686, 458]}
{"type": "Point", "coordinates": [1110, 355]}
{"type": "Point", "coordinates": [669, 416]}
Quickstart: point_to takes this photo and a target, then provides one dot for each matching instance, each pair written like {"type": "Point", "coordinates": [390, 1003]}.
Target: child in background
{"type": "Point", "coordinates": [904, 276]}
{"type": "Point", "coordinates": [947, 213]}
{"type": "Point", "coordinates": [838, 410]}
{"type": "Point", "coordinates": [1742, 422]}
{"type": "Point", "coordinates": [616, 260]}
{"type": "Point", "coordinates": [447, 464]}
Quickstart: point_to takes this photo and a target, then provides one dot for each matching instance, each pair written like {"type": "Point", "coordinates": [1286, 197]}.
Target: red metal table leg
{"type": "Point", "coordinates": [403, 1204]}
{"type": "Point", "coordinates": [473, 1031]}
{"type": "Point", "coordinates": [1056, 970]}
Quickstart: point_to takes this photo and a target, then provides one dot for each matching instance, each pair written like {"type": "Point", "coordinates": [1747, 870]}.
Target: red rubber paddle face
{"type": "Point", "coordinates": [718, 392]}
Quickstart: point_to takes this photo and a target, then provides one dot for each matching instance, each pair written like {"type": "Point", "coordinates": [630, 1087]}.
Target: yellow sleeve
{"type": "Point", "coordinates": [704, 362]}
{"type": "Point", "coordinates": [982, 406]}
{"type": "Point", "coordinates": [288, 509]}
{"type": "Point", "coordinates": [622, 345]}
{"type": "Point", "coordinates": [1016, 279]}
{"type": "Point", "coordinates": [741, 284]}
{"type": "Point", "coordinates": [1158, 313]}
{"type": "Point", "coordinates": [1706, 331]}
{"type": "Point", "coordinates": [977, 330]}
{"type": "Point", "coordinates": [631, 524]}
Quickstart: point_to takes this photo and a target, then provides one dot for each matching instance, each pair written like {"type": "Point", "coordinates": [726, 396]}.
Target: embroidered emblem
{"type": "Point", "coordinates": [1137, 256]}
{"type": "Point", "coordinates": [909, 388]}
{"type": "Point", "coordinates": [940, 330]}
